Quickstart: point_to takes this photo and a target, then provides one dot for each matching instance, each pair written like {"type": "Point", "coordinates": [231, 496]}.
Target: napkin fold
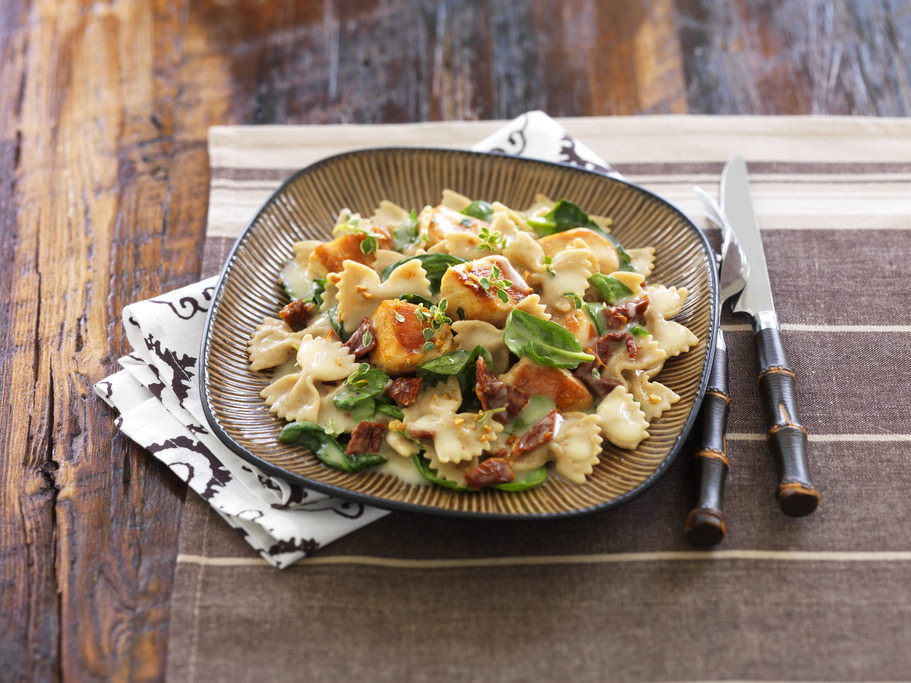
{"type": "Point", "coordinates": [156, 394]}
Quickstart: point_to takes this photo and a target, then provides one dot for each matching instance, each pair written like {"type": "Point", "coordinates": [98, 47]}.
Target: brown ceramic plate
{"type": "Point", "coordinates": [305, 208]}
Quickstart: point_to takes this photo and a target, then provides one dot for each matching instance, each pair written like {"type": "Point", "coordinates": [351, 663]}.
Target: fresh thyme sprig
{"type": "Point", "coordinates": [436, 316]}
{"type": "Point", "coordinates": [490, 240]}
{"type": "Point", "coordinates": [496, 283]}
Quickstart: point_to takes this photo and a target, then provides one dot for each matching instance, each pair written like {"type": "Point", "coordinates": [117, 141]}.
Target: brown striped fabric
{"type": "Point", "coordinates": [620, 595]}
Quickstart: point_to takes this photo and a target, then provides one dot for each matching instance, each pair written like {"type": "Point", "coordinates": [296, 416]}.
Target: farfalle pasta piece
{"type": "Point", "coordinates": [453, 200]}
{"type": "Point", "coordinates": [445, 469]}
{"type": "Point", "coordinates": [649, 358]}
{"type": "Point", "coordinates": [472, 333]}
{"type": "Point", "coordinates": [604, 255]}
{"type": "Point", "coordinates": [654, 398]}
{"type": "Point", "coordinates": [672, 337]}
{"type": "Point", "coordinates": [533, 306]}
{"type": "Point", "coordinates": [622, 421]}
{"type": "Point", "coordinates": [296, 396]}
{"type": "Point", "coordinates": [325, 360]}
{"type": "Point", "coordinates": [360, 290]}
{"type": "Point", "coordinates": [457, 437]}
{"type": "Point", "coordinates": [525, 253]}
{"type": "Point", "coordinates": [576, 448]}
{"type": "Point", "coordinates": [642, 259]}
{"type": "Point", "coordinates": [293, 397]}
{"type": "Point", "coordinates": [569, 271]}
{"type": "Point", "coordinates": [272, 344]}
{"type": "Point", "coordinates": [389, 214]}
{"type": "Point", "coordinates": [464, 245]}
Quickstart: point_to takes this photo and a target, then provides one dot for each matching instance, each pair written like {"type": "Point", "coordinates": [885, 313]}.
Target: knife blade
{"type": "Point", "coordinates": [787, 438]}
{"type": "Point", "coordinates": [705, 524]}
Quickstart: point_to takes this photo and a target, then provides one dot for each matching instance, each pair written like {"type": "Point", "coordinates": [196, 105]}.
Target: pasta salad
{"type": "Point", "coordinates": [470, 344]}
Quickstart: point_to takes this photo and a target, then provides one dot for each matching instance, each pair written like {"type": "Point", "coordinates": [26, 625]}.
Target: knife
{"type": "Point", "coordinates": [787, 438]}
{"type": "Point", "coordinates": [705, 524]}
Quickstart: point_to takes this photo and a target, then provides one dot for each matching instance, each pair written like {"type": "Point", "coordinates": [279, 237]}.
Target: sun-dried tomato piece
{"type": "Point", "coordinates": [491, 471]}
{"type": "Point", "coordinates": [404, 390]}
{"type": "Point", "coordinates": [621, 314]}
{"type": "Point", "coordinates": [363, 340]}
{"type": "Point", "coordinates": [590, 375]}
{"type": "Point", "coordinates": [603, 347]}
{"type": "Point", "coordinates": [494, 393]}
{"type": "Point", "coordinates": [367, 437]}
{"type": "Point", "coordinates": [540, 432]}
{"type": "Point", "coordinates": [297, 313]}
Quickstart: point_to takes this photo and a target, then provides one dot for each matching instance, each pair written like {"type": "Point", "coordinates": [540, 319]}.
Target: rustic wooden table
{"type": "Point", "coordinates": [103, 187]}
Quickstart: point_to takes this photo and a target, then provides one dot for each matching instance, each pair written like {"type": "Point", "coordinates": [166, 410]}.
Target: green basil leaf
{"type": "Point", "coordinates": [524, 480]}
{"type": "Point", "coordinates": [479, 209]}
{"type": "Point", "coordinates": [542, 341]}
{"type": "Point", "coordinates": [612, 290]}
{"type": "Point", "coordinates": [435, 265]}
{"type": "Point", "coordinates": [406, 233]}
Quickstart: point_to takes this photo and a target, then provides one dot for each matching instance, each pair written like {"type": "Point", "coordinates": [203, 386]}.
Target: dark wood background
{"type": "Point", "coordinates": [103, 188]}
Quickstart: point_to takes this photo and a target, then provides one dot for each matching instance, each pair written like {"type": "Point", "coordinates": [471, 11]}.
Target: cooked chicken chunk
{"type": "Point", "coordinates": [555, 383]}
{"type": "Point", "coordinates": [479, 287]}
{"type": "Point", "coordinates": [400, 338]}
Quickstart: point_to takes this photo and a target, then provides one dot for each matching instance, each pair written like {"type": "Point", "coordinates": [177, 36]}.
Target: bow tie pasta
{"type": "Point", "coordinates": [469, 344]}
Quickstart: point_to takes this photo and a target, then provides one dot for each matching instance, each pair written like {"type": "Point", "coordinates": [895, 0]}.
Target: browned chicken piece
{"type": "Point", "coordinates": [329, 257]}
{"type": "Point", "coordinates": [601, 247]}
{"type": "Point", "coordinates": [555, 383]}
{"type": "Point", "coordinates": [400, 338]}
{"type": "Point", "coordinates": [443, 220]}
{"type": "Point", "coordinates": [475, 288]}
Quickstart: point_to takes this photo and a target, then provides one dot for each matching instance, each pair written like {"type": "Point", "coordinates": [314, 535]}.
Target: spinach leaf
{"type": "Point", "coordinates": [479, 209]}
{"type": "Point", "coordinates": [423, 467]}
{"type": "Point", "coordinates": [524, 480]}
{"type": "Point", "coordinates": [326, 447]}
{"type": "Point", "coordinates": [386, 406]}
{"type": "Point", "coordinates": [536, 408]}
{"type": "Point", "coordinates": [612, 290]}
{"type": "Point", "coordinates": [542, 341]}
{"type": "Point", "coordinates": [416, 299]}
{"type": "Point", "coordinates": [595, 311]}
{"type": "Point", "coordinates": [459, 364]}
{"type": "Point", "coordinates": [565, 216]}
{"type": "Point", "coordinates": [336, 324]}
{"type": "Point", "coordinates": [435, 265]}
{"type": "Point", "coordinates": [356, 395]}
{"type": "Point", "coordinates": [406, 233]}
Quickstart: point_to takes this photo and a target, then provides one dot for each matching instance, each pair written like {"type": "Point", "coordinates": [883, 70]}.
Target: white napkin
{"type": "Point", "coordinates": [157, 396]}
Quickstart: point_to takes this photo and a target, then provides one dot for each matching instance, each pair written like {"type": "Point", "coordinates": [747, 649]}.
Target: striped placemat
{"type": "Point", "coordinates": [620, 595]}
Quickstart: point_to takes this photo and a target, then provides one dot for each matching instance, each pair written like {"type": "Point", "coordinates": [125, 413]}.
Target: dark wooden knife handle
{"type": "Point", "coordinates": [787, 437]}
{"type": "Point", "coordinates": [705, 524]}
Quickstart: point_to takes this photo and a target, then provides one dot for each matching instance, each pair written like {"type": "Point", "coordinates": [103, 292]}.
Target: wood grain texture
{"type": "Point", "coordinates": [103, 187]}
